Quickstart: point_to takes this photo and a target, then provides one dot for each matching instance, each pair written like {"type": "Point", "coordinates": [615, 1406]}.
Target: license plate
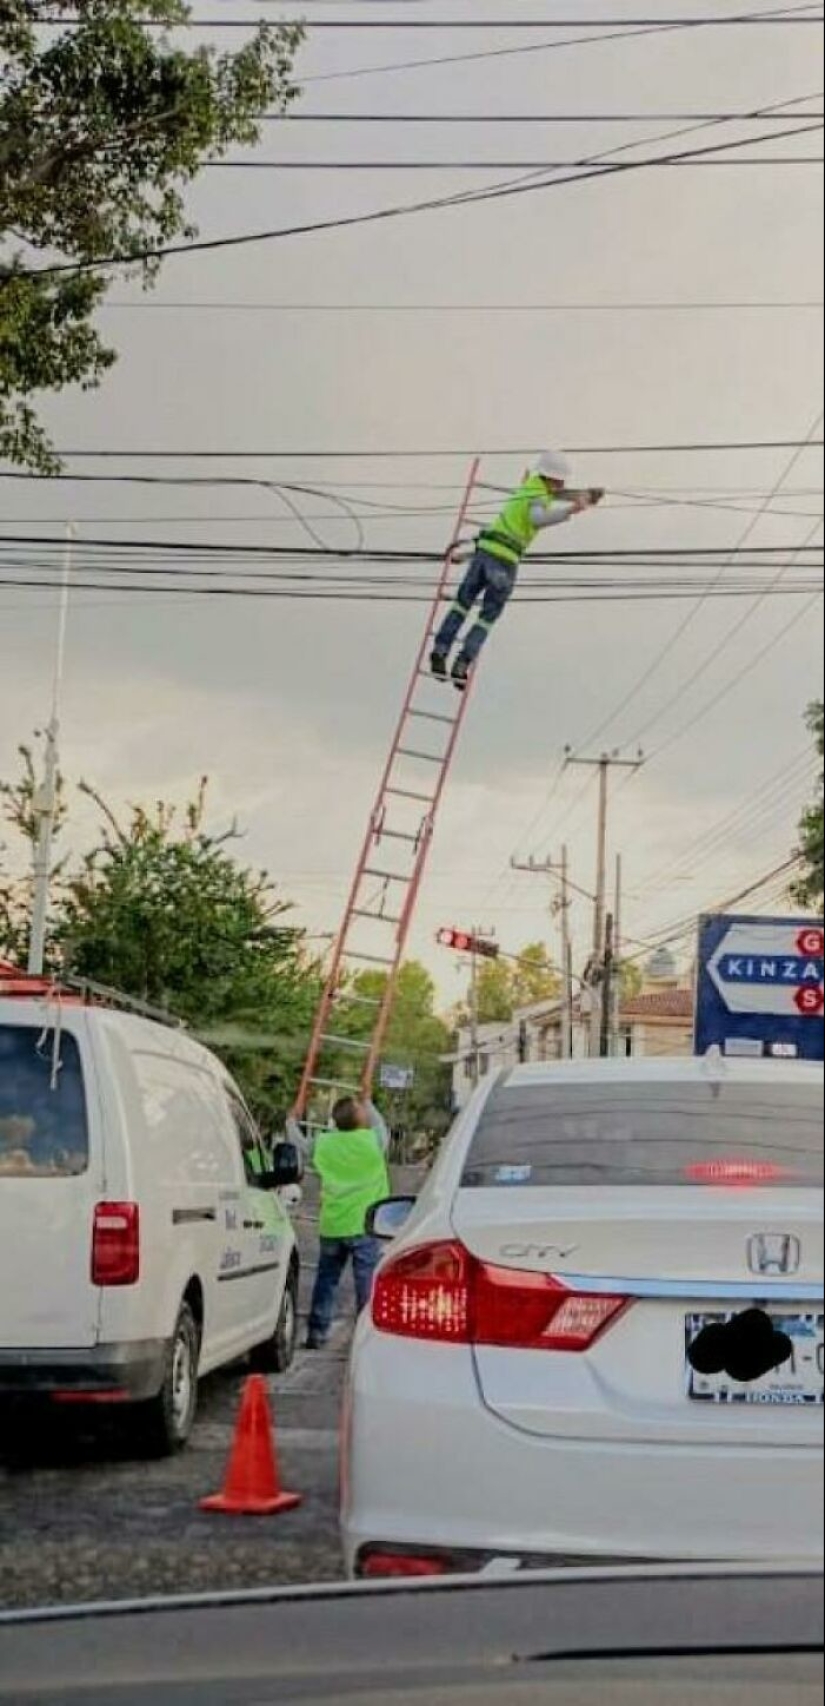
{"type": "Point", "coordinates": [797, 1381]}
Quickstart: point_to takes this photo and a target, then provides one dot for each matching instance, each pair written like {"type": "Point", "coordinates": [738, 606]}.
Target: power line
{"type": "Point", "coordinates": [290, 118]}
{"type": "Point", "coordinates": [328, 455]}
{"type": "Point", "coordinates": [402, 210]}
{"type": "Point", "coordinates": [677, 932]}
{"type": "Point", "coordinates": [735, 680]}
{"type": "Point", "coordinates": [710, 658]}
{"type": "Point", "coordinates": [299, 587]}
{"type": "Point", "coordinates": [770, 160]}
{"type": "Point", "coordinates": [664, 651]}
{"type": "Point", "coordinates": [673, 556]}
{"type": "Point", "coordinates": [634, 33]}
{"type": "Point", "coordinates": [788, 778]}
{"type": "Point", "coordinates": [464, 308]}
{"type": "Point", "coordinates": [714, 20]}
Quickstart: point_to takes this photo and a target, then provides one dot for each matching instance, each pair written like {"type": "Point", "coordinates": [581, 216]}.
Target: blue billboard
{"type": "Point", "coordinates": [759, 986]}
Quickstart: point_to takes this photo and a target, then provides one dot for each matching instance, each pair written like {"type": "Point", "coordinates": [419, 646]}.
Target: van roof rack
{"type": "Point", "coordinates": [23, 984]}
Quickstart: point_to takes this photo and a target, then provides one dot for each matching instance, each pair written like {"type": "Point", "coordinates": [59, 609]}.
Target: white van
{"type": "Point", "coordinates": [143, 1239]}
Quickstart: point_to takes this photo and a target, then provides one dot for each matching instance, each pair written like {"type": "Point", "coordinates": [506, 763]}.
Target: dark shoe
{"type": "Point", "coordinates": [460, 673]}
{"type": "Point", "coordinates": [313, 1343]}
{"type": "Point", "coordinates": [438, 665]}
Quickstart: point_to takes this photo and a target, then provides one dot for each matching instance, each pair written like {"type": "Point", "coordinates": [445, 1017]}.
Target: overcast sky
{"type": "Point", "coordinates": [290, 706]}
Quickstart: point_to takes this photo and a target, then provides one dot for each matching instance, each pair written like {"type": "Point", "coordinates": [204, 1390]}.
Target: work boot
{"type": "Point", "coordinates": [438, 665]}
{"type": "Point", "coordinates": [460, 674]}
{"type": "Point", "coordinates": [312, 1342]}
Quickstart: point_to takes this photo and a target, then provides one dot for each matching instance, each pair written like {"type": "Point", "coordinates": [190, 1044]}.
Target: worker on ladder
{"type": "Point", "coordinates": [542, 500]}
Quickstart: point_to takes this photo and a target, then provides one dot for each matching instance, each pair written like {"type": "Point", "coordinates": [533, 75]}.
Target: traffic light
{"type": "Point", "coordinates": [464, 942]}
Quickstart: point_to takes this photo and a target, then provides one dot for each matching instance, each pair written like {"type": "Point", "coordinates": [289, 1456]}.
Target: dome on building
{"type": "Point", "coordinates": [662, 967]}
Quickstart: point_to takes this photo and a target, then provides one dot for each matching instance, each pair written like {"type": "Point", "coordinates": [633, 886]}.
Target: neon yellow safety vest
{"type": "Point", "coordinates": [353, 1174]}
{"type": "Point", "coordinates": [514, 530]}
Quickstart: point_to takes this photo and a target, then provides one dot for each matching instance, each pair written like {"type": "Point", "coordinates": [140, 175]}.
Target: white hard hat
{"type": "Point", "coordinates": [553, 466]}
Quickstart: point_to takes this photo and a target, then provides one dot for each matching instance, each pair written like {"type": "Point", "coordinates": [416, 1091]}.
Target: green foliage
{"type": "Point", "coordinates": [162, 910]}
{"type": "Point", "coordinates": [17, 811]}
{"type": "Point", "coordinates": [631, 978]}
{"type": "Point", "coordinates": [505, 985]}
{"type": "Point", "coordinates": [415, 1038]}
{"type": "Point", "coordinates": [808, 891]}
{"type": "Point", "coordinates": [103, 123]}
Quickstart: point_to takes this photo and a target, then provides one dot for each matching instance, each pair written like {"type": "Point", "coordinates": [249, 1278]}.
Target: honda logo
{"type": "Point", "coordinates": [774, 1253]}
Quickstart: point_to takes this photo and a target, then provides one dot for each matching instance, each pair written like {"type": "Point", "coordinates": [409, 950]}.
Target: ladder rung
{"type": "Point", "coordinates": [433, 717]}
{"type": "Point", "coordinates": [398, 835]}
{"type": "Point", "coordinates": [345, 1042]}
{"type": "Point", "coordinates": [410, 794]}
{"type": "Point", "coordinates": [374, 959]}
{"type": "Point", "coordinates": [431, 757]}
{"type": "Point", "coordinates": [386, 876]}
{"type": "Point", "coordinates": [359, 1000]}
{"type": "Point", "coordinates": [380, 917]}
{"type": "Point", "coordinates": [336, 1084]}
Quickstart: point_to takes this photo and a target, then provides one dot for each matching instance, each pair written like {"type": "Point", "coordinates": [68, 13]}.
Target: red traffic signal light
{"type": "Point", "coordinates": [463, 942]}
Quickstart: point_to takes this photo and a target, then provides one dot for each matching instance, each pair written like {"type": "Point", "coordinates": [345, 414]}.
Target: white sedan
{"type": "Point", "coordinates": [598, 1333]}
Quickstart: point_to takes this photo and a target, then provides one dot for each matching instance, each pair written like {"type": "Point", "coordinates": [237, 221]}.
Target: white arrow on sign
{"type": "Point", "coordinates": [758, 968]}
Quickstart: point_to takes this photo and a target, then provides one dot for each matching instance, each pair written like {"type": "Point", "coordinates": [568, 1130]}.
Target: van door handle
{"type": "Point", "coordinates": [254, 1225]}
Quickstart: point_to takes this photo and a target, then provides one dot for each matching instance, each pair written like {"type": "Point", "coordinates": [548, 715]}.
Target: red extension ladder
{"type": "Point", "coordinates": [374, 931]}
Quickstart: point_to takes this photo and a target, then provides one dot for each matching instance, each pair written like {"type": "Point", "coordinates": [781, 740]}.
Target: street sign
{"type": "Point", "coordinates": [464, 942]}
{"type": "Point", "coordinates": [760, 986]}
{"type": "Point", "coordinates": [396, 1077]}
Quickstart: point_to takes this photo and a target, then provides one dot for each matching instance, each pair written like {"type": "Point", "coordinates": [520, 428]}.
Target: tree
{"type": "Point", "coordinates": [631, 978]}
{"type": "Point", "coordinates": [103, 122]}
{"type": "Point", "coordinates": [17, 809]}
{"type": "Point", "coordinates": [808, 890]}
{"type": "Point", "coordinates": [506, 984]}
{"type": "Point", "coordinates": [162, 910]}
{"type": "Point", "coordinates": [415, 1038]}
{"type": "Point", "coordinates": [534, 978]}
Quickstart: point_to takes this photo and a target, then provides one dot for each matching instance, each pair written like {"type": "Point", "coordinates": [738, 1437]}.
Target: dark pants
{"type": "Point", "coordinates": [487, 579]}
{"type": "Point", "coordinates": [334, 1255]}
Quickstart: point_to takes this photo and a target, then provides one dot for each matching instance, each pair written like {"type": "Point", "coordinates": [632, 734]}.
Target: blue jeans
{"type": "Point", "coordinates": [335, 1253]}
{"type": "Point", "coordinates": [487, 579]}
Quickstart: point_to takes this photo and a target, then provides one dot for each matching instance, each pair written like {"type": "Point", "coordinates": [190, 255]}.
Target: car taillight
{"type": "Point", "coordinates": [425, 1294]}
{"type": "Point", "coordinates": [116, 1244]}
{"type": "Point", "coordinates": [443, 1293]}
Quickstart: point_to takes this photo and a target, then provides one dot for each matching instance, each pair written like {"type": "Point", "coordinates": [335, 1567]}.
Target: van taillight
{"type": "Point", "coordinates": [443, 1293]}
{"type": "Point", "coordinates": [116, 1244]}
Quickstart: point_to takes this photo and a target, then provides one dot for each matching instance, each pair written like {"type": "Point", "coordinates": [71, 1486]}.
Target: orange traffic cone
{"type": "Point", "coordinates": [252, 1484]}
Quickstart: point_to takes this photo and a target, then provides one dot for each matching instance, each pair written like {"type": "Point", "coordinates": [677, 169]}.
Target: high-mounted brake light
{"type": "Point", "coordinates": [735, 1172]}
{"type": "Point", "coordinates": [443, 1293]}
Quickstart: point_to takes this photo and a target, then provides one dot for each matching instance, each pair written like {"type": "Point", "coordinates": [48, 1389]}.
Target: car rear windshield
{"type": "Point", "coordinates": [43, 1129]}
{"type": "Point", "coordinates": [648, 1134]}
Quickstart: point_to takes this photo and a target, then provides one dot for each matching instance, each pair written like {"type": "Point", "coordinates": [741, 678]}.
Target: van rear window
{"type": "Point", "coordinates": [744, 1135]}
{"type": "Point", "coordinates": [43, 1128]}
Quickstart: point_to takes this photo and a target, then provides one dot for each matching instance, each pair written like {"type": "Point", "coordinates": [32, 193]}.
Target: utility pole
{"type": "Point", "coordinates": [44, 803]}
{"type": "Point", "coordinates": [474, 1014]}
{"type": "Point", "coordinates": [606, 1004]}
{"type": "Point", "coordinates": [606, 762]}
{"type": "Point", "coordinates": [615, 1014]}
{"type": "Point", "coordinates": [478, 935]}
{"type": "Point", "coordinates": [547, 868]}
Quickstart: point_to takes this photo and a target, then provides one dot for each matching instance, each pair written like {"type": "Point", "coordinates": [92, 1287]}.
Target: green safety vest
{"type": "Point", "coordinates": [353, 1174]}
{"type": "Point", "coordinates": [513, 531]}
